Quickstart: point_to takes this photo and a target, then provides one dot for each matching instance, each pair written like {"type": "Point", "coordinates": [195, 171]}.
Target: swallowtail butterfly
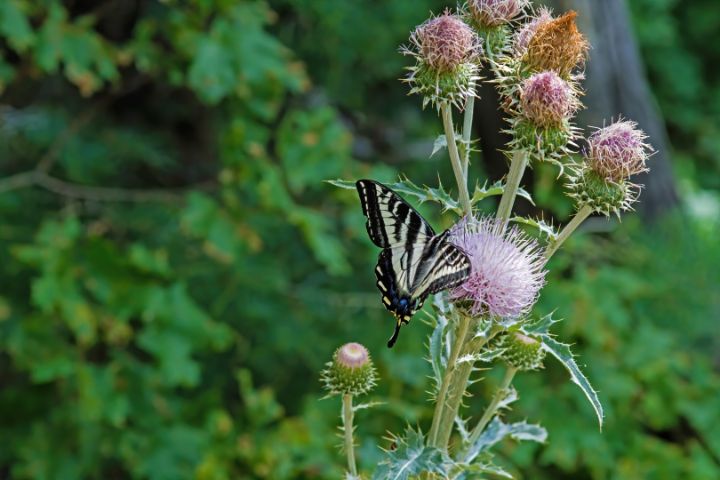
{"type": "Point", "coordinates": [414, 262]}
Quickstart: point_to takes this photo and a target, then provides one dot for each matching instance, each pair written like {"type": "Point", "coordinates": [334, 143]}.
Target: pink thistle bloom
{"type": "Point", "coordinates": [547, 99]}
{"type": "Point", "coordinates": [527, 31]}
{"type": "Point", "coordinates": [353, 355]}
{"type": "Point", "coordinates": [618, 151]}
{"type": "Point", "coordinates": [507, 268]}
{"type": "Point", "coordinates": [492, 13]}
{"type": "Point", "coordinates": [445, 42]}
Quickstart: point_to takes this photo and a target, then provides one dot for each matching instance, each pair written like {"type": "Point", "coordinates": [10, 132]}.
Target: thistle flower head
{"type": "Point", "coordinates": [618, 151]}
{"type": "Point", "coordinates": [557, 45]}
{"type": "Point", "coordinates": [507, 268]}
{"type": "Point", "coordinates": [547, 100]}
{"type": "Point", "coordinates": [527, 31]}
{"type": "Point", "coordinates": [446, 51]}
{"type": "Point", "coordinates": [445, 42]}
{"type": "Point", "coordinates": [614, 153]}
{"type": "Point", "coordinates": [351, 371]}
{"type": "Point", "coordinates": [492, 13]}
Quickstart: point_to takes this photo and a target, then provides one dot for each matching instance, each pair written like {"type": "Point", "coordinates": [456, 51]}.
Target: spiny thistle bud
{"type": "Point", "coordinates": [507, 268]}
{"type": "Point", "coordinates": [493, 13]}
{"type": "Point", "coordinates": [446, 51]}
{"type": "Point", "coordinates": [525, 33]}
{"type": "Point", "coordinates": [351, 371]}
{"type": "Point", "coordinates": [614, 153]}
{"type": "Point", "coordinates": [557, 45]}
{"type": "Point", "coordinates": [547, 100]}
{"type": "Point", "coordinates": [521, 351]}
{"type": "Point", "coordinates": [618, 151]}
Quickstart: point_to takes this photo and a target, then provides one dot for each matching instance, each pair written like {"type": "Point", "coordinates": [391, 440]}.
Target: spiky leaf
{"type": "Point", "coordinates": [497, 430]}
{"type": "Point", "coordinates": [412, 457]}
{"type": "Point", "coordinates": [562, 352]}
{"type": "Point", "coordinates": [542, 227]}
{"type": "Point", "coordinates": [438, 361]}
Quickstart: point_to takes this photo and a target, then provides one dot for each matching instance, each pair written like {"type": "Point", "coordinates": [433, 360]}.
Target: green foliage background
{"type": "Point", "coordinates": [175, 273]}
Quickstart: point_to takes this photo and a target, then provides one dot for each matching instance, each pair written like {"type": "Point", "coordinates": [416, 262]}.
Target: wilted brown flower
{"type": "Point", "coordinates": [557, 45]}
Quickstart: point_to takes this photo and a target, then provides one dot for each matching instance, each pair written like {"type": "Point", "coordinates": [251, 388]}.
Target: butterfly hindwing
{"type": "Point", "coordinates": [414, 262]}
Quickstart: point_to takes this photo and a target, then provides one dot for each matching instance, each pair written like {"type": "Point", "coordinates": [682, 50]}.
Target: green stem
{"type": "Point", "coordinates": [446, 111]}
{"type": "Point", "coordinates": [492, 408]}
{"type": "Point", "coordinates": [579, 217]}
{"type": "Point", "coordinates": [440, 405]}
{"type": "Point", "coordinates": [517, 168]}
{"type": "Point", "coordinates": [458, 385]}
{"type": "Point", "coordinates": [347, 414]}
{"type": "Point", "coordinates": [467, 133]}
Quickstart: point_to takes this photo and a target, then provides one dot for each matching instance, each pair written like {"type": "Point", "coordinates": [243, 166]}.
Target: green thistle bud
{"type": "Point", "coordinates": [589, 188]}
{"type": "Point", "coordinates": [521, 352]}
{"type": "Point", "coordinates": [351, 371]}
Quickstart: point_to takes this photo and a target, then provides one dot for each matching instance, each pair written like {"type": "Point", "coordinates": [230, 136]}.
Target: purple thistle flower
{"type": "Point", "coordinates": [618, 151]}
{"type": "Point", "coordinates": [491, 13]}
{"type": "Point", "coordinates": [353, 355]}
{"type": "Point", "coordinates": [527, 31]}
{"type": "Point", "coordinates": [507, 267]}
{"type": "Point", "coordinates": [547, 99]}
{"type": "Point", "coordinates": [445, 42]}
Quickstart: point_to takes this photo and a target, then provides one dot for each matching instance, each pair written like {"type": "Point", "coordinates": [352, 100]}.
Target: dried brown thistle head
{"type": "Point", "coordinates": [557, 45]}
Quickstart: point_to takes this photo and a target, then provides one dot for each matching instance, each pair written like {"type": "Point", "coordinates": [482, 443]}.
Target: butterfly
{"type": "Point", "coordinates": [414, 261]}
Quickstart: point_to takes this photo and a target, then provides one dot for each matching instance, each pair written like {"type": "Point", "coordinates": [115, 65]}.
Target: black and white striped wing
{"type": "Point", "coordinates": [391, 221]}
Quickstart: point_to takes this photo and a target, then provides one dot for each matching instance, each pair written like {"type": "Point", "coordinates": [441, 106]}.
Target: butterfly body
{"type": "Point", "coordinates": [414, 262]}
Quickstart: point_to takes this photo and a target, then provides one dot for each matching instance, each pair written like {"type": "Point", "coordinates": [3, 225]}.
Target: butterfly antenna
{"type": "Point", "coordinates": [395, 334]}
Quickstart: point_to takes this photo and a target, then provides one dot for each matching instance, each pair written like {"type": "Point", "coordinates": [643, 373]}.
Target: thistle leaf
{"type": "Point", "coordinates": [497, 188]}
{"type": "Point", "coordinates": [439, 144]}
{"type": "Point", "coordinates": [412, 457]}
{"type": "Point", "coordinates": [541, 326]}
{"type": "Point", "coordinates": [363, 406]}
{"type": "Point", "coordinates": [497, 430]}
{"type": "Point", "coordinates": [435, 346]}
{"type": "Point", "coordinates": [347, 184]}
{"type": "Point", "coordinates": [486, 356]}
{"type": "Point", "coordinates": [543, 228]}
{"type": "Point", "coordinates": [562, 352]}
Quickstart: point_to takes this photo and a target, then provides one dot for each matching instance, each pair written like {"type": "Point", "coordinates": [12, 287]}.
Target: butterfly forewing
{"type": "Point", "coordinates": [414, 261]}
{"type": "Point", "coordinates": [391, 221]}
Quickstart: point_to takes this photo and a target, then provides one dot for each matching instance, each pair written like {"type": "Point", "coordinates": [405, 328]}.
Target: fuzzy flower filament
{"type": "Point", "coordinates": [507, 268]}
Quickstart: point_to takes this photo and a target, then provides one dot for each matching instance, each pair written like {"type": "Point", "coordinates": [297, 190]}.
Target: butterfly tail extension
{"type": "Point", "coordinates": [395, 334]}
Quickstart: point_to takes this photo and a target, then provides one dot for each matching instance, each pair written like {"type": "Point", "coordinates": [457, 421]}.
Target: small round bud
{"type": "Point", "coordinates": [351, 371]}
{"type": "Point", "coordinates": [557, 45]}
{"type": "Point", "coordinates": [527, 31]}
{"type": "Point", "coordinates": [521, 351]}
{"type": "Point", "coordinates": [493, 13]}
{"type": "Point", "coordinates": [445, 42]}
{"type": "Point", "coordinates": [547, 100]}
{"type": "Point", "coordinates": [618, 151]}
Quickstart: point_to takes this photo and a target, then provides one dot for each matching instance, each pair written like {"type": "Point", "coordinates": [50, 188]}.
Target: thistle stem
{"type": "Point", "coordinates": [492, 408]}
{"type": "Point", "coordinates": [517, 168]}
{"type": "Point", "coordinates": [446, 111]}
{"type": "Point", "coordinates": [441, 403]}
{"type": "Point", "coordinates": [458, 386]}
{"type": "Point", "coordinates": [347, 414]}
{"type": "Point", "coordinates": [579, 217]}
{"type": "Point", "coordinates": [467, 133]}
